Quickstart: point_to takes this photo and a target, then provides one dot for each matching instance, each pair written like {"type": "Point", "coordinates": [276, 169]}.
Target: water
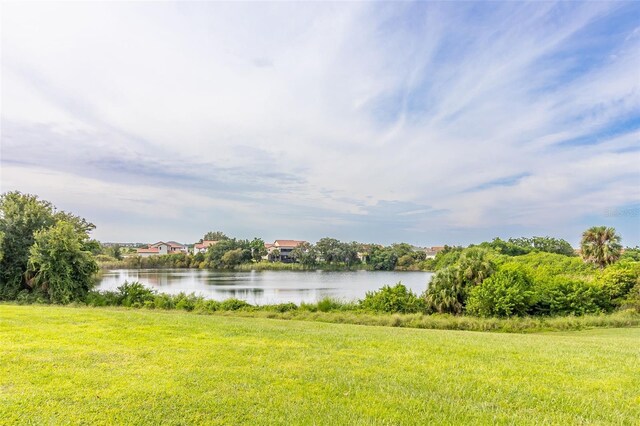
{"type": "Point", "coordinates": [266, 287]}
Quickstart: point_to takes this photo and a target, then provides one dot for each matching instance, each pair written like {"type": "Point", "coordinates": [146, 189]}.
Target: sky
{"type": "Point", "coordinates": [429, 122]}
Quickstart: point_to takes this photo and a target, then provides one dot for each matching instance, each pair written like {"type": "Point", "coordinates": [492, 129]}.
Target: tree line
{"type": "Point", "coordinates": [48, 255]}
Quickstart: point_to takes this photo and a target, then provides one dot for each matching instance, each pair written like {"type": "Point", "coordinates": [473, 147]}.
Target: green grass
{"type": "Point", "coordinates": [64, 365]}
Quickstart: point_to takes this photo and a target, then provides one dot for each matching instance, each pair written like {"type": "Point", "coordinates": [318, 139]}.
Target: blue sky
{"type": "Point", "coordinates": [427, 122]}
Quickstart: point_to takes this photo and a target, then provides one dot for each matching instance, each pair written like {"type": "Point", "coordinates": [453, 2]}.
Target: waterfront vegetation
{"type": "Point", "coordinates": [172, 367]}
{"type": "Point", "coordinates": [47, 258]}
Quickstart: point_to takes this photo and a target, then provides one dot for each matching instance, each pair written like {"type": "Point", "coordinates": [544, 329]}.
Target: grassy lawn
{"type": "Point", "coordinates": [106, 366]}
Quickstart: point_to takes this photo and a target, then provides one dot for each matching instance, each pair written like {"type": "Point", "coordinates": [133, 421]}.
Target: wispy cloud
{"type": "Point", "coordinates": [427, 122]}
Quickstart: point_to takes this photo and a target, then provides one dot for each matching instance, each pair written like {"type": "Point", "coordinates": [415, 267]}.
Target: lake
{"type": "Point", "coordinates": [266, 287]}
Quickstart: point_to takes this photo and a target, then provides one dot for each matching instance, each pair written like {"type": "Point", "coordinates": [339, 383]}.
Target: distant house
{"type": "Point", "coordinates": [203, 246]}
{"type": "Point", "coordinates": [432, 251]}
{"type": "Point", "coordinates": [281, 250]}
{"type": "Point", "coordinates": [146, 252]}
{"type": "Point", "coordinates": [160, 248]}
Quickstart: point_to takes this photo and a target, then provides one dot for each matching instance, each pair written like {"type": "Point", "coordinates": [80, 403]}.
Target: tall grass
{"type": "Point", "coordinates": [135, 295]}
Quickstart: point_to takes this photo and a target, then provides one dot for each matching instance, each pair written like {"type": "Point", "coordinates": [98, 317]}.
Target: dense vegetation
{"type": "Point", "coordinates": [142, 367]}
{"type": "Point", "coordinates": [45, 253]}
{"type": "Point", "coordinates": [485, 282]}
{"type": "Point", "coordinates": [47, 256]}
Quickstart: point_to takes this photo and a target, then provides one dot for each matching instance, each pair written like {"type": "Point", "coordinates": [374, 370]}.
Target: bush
{"type": "Point", "coordinates": [186, 302]}
{"type": "Point", "coordinates": [163, 301]}
{"type": "Point", "coordinates": [135, 294]}
{"type": "Point", "coordinates": [616, 280]}
{"type": "Point", "coordinates": [204, 305]}
{"type": "Point", "coordinates": [103, 298]}
{"type": "Point", "coordinates": [328, 304]}
{"type": "Point", "coordinates": [396, 299]}
{"type": "Point", "coordinates": [234, 305]}
{"type": "Point", "coordinates": [284, 307]}
{"type": "Point", "coordinates": [632, 300]}
{"type": "Point", "coordinates": [560, 295]}
{"type": "Point", "coordinates": [506, 293]}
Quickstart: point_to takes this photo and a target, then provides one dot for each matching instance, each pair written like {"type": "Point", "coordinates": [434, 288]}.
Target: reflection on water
{"type": "Point", "coordinates": [264, 287]}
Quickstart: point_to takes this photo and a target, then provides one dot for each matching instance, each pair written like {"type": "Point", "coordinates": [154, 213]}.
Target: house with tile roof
{"type": "Point", "coordinates": [432, 251]}
{"type": "Point", "coordinates": [281, 250]}
{"type": "Point", "coordinates": [160, 248]}
{"type": "Point", "coordinates": [203, 246]}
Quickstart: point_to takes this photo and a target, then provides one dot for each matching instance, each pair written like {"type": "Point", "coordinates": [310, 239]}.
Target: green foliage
{"type": "Point", "coordinates": [631, 253]}
{"type": "Point", "coordinates": [383, 258]}
{"type": "Point", "coordinates": [392, 299]}
{"type": "Point", "coordinates": [509, 248]}
{"type": "Point", "coordinates": [215, 236]}
{"type": "Point", "coordinates": [600, 245]}
{"type": "Point", "coordinates": [44, 250]}
{"type": "Point", "coordinates": [234, 305]}
{"type": "Point", "coordinates": [257, 249]}
{"type": "Point", "coordinates": [545, 264]}
{"type": "Point", "coordinates": [59, 266]}
{"type": "Point", "coordinates": [305, 254]}
{"type": "Point", "coordinates": [328, 304]}
{"type": "Point", "coordinates": [506, 293]}
{"type": "Point", "coordinates": [445, 293]}
{"type": "Point", "coordinates": [21, 216]}
{"type": "Point", "coordinates": [632, 299]}
{"type": "Point", "coordinates": [617, 280]}
{"type": "Point", "coordinates": [134, 294]}
{"type": "Point", "coordinates": [562, 295]}
{"type": "Point", "coordinates": [228, 253]}
{"type": "Point", "coordinates": [115, 252]}
{"type": "Point", "coordinates": [232, 258]}
{"type": "Point", "coordinates": [447, 257]}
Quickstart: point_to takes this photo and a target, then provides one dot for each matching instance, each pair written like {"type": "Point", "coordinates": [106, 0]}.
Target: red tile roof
{"type": "Point", "coordinates": [287, 243]}
{"type": "Point", "coordinates": [204, 244]}
{"type": "Point", "coordinates": [149, 250]}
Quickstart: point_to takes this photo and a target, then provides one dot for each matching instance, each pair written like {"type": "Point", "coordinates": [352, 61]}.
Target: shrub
{"type": "Point", "coordinates": [561, 295]}
{"type": "Point", "coordinates": [328, 304]}
{"type": "Point", "coordinates": [392, 299]}
{"type": "Point", "coordinates": [186, 302]}
{"type": "Point", "coordinates": [284, 307]}
{"type": "Point", "coordinates": [163, 301]}
{"type": "Point", "coordinates": [204, 305]}
{"type": "Point", "coordinates": [632, 300]}
{"type": "Point", "coordinates": [135, 294]}
{"type": "Point", "coordinates": [234, 305]}
{"type": "Point", "coordinates": [616, 280]}
{"type": "Point", "coordinates": [445, 293]}
{"type": "Point", "coordinates": [506, 293]}
{"type": "Point", "coordinates": [103, 298]}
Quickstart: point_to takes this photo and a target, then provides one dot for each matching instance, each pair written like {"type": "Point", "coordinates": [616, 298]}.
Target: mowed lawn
{"type": "Point", "coordinates": [63, 365]}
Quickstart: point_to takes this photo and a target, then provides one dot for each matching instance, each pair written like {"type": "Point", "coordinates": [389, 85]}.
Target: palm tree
{"type": "Point", "coordinates": [600, 245]}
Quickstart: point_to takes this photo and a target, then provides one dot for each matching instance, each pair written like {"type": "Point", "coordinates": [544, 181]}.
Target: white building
{"type": "Point", "coordinates": [161, 248]}
{"type": "Point", "coordinates": [203, 246]}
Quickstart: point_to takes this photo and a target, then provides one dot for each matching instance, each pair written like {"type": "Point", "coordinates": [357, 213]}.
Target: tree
{"type": "Point", "coordinates": [330, 250]}
{"type": "Point", "coordinates": [257, 249]}
{"type": "Point", "coordinates": [215, 236]}
{"type": "Point", "coordinates": [444, 293]}
{"type": "Point", "coordinates": [116, 252]}
{"type": "Point", "coordinates": [600, 245]}
{"type": "Point", "coordinates": [383, 258]}
{"type": "Point", "coordinates": [21, 216]}
{"type": "Point", "coordinates": [59, 265]}
{"type": "Point", "coordinates": [305, 254]}
{"type": "Point", "coordinates": [232, 258]}
{"type": "Point", "coordinates": [507, 292]}
{"type": "Point", "coordinates": [216, 252]}
{"type": "Point", "coordinates": [450, 286]}
{"type": "Point", "coordinates": [545, 244]}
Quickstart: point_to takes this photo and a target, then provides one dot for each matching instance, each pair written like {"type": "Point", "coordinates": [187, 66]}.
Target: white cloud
{"type": "Point", "coordinates": [351, 104]}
